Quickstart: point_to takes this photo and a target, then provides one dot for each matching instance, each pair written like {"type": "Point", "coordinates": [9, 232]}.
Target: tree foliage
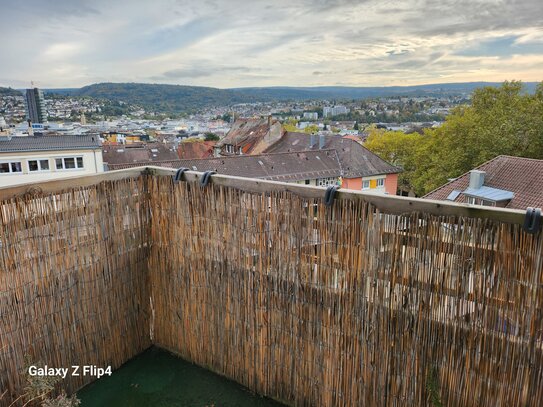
{"type": "Point", "coordinates": [398, 149]}
{"type": "Point", "coordinates": [290, 125]}
{"type": "Point", "coordinates": [500, 121]}
{"type": "Point", "coordinates": [9, 92]}
{"type": "Point", "coordinates": [211, 137]}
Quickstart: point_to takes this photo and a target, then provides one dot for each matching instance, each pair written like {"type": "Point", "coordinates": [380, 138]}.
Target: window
{"type": "Point", "coordinates": [366, 184]}
{"type": "Point", "coordinates": [10, 167]}
{"type": "Point", "coordinates": [380, 182]}
{"type": "Point", "coordinates": [69, 163]}
{"type": "Point", "coordinates": [479, 201]}
{"type": "Point", "coordinates": [324, 182]}
{"type": "Point", "coordinates": [38, 165]}
{"type": "Point", "coordinates": [229, 148]}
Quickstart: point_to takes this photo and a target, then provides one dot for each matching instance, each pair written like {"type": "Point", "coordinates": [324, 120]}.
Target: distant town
{"type": "Point", "coordinates": [126, 134]}
{"type": "Point", "coordinates": [360, 144]}
{"type": "Point", "coordinates": [401, 111]}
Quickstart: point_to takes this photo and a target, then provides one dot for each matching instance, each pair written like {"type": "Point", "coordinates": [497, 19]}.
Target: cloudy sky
{"type": "Point", "coordinates": [235, 43]}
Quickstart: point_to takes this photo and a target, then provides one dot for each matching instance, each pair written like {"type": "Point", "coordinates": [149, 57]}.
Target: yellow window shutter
{"type": "Point", "coordinates": [373, 183]}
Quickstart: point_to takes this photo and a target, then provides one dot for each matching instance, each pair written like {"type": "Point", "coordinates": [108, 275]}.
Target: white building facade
{"type": "Point", "coordinates": [328, 111]}
{"type": "Point", "coordinates": [35, 159]}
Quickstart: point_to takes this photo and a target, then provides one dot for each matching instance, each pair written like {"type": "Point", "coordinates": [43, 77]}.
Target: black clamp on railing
{"type": "Point", "coordinates": [206, 177]}
{"type": "Point", "coordinates": [179, 174]}
{"type": "Point", "coordinates": [330, 194]}
{"type": "Point", "coordinates": [532, 221]}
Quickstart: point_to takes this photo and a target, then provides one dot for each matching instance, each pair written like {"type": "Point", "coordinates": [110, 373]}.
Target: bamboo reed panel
{"type": "Point", "coordinates": [346, 306]}
{"type": "Point", "coordinates": [316, 306]}
{"type": "Point", "coordinates": [73, 280]}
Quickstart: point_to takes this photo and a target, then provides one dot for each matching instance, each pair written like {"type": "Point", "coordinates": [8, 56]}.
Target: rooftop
{"type": "Point", "coordinates": [523, 177]}
{"type": "Point", "coordinates": [295, 166]}
{"type": "Point", "coordinates": [137, 153]}
{"type": "Point", "coordinates": [492, 194]}
{"type": "Point", "coordinates": [48, 143]}
{"type": "Point", "coordinates": [356, 160]}
{"type": "Point", "coordinates": [250, 136]}
{"type": "Point", "coordinates": [244, 131]}
{"type": "Point", "coordinates": [198, 149]}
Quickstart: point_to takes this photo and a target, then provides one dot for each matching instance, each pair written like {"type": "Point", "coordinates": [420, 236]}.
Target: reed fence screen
{"type": "Point", "coordinates": [309, 304]}
{"type": "Point", "coordinates": [73, 281]}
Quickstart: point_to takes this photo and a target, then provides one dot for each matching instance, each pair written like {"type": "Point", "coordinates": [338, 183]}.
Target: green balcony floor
{"type": "Point", "coordinates": [158, 378]}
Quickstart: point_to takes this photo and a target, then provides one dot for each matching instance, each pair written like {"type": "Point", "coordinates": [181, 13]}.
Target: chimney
{"type": "Point", "coordinates": [312, 141]}
{"type": "Point", "coordinates": [269, 121]}
{"type": "Point", "coordinates": [476, 179]}
{"type": "Point", "coordinates": [321, 141]}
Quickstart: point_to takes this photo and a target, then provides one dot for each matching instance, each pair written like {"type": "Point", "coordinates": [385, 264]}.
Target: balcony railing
{"type": "Point", "coordinates": [373, 300]}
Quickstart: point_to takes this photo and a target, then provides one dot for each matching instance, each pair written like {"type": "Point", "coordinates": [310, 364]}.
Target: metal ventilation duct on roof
{"type": "Point", "coordinates": [476, 179]}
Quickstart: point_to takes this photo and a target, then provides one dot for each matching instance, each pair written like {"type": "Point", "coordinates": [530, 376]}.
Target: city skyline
{"type": "Point", "coordinates": [261, 43]}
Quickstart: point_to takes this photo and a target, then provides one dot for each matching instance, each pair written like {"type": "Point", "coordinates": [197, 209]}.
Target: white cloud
{"type": "Point", "coordinates": [61, 50]}
{"type": "Point", "coordinates": [227, 43]}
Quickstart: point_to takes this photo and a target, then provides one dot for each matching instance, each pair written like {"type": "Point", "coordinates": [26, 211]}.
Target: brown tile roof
{"type": "Point", "coordinates": [199, 149]}
{"type": "Point", "coordinates": [295, 166]}
{"type": "Point", "coordinates": [250, 134]}
{"type": "Point", "coordinates": [245, 129]}
{"type": "Point", "coordinates": [356, 160]}
{"type": "Point", "coordinates": [522, 176]}
{"type": "Point", "coordinates": [141, 153]}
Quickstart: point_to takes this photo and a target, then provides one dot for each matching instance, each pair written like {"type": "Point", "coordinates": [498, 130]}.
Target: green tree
{"type": "Point", "coordinates": [500, 121]}
{"type": "Point", "coordinates": [211, 137]}
{"type": "Point", "coordinates": [398, 149]}
{"type": "Point", "coordinates": [312, 129]}
{"type": "Point", "coordinates": [290, 125]}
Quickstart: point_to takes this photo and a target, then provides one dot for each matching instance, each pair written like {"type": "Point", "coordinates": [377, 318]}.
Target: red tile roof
{"type": "Point", "coordinates": [522, 176]}
{"type": "Point", "coordinates": [252, 135]}
{"type": "Point", "coordinates": [201, 149]}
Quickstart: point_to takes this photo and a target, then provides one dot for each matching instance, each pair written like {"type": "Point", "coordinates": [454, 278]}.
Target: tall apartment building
{"type": "Point", "coordinates": [311, 115]}
{"type": "Point", "coordinates": [35, 106]}
{"type": "Point", "coordinates": [334, 111]}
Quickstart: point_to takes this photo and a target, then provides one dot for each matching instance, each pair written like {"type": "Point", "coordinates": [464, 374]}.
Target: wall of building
{"type": "Point", "coordinates": [315, 182]}
{"type": "Point", "coordinates": [352, 183]}
{"type": "Point", "coordinates": [92, 164]}
{"type": "Point", "coordinates": [391, 183]}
